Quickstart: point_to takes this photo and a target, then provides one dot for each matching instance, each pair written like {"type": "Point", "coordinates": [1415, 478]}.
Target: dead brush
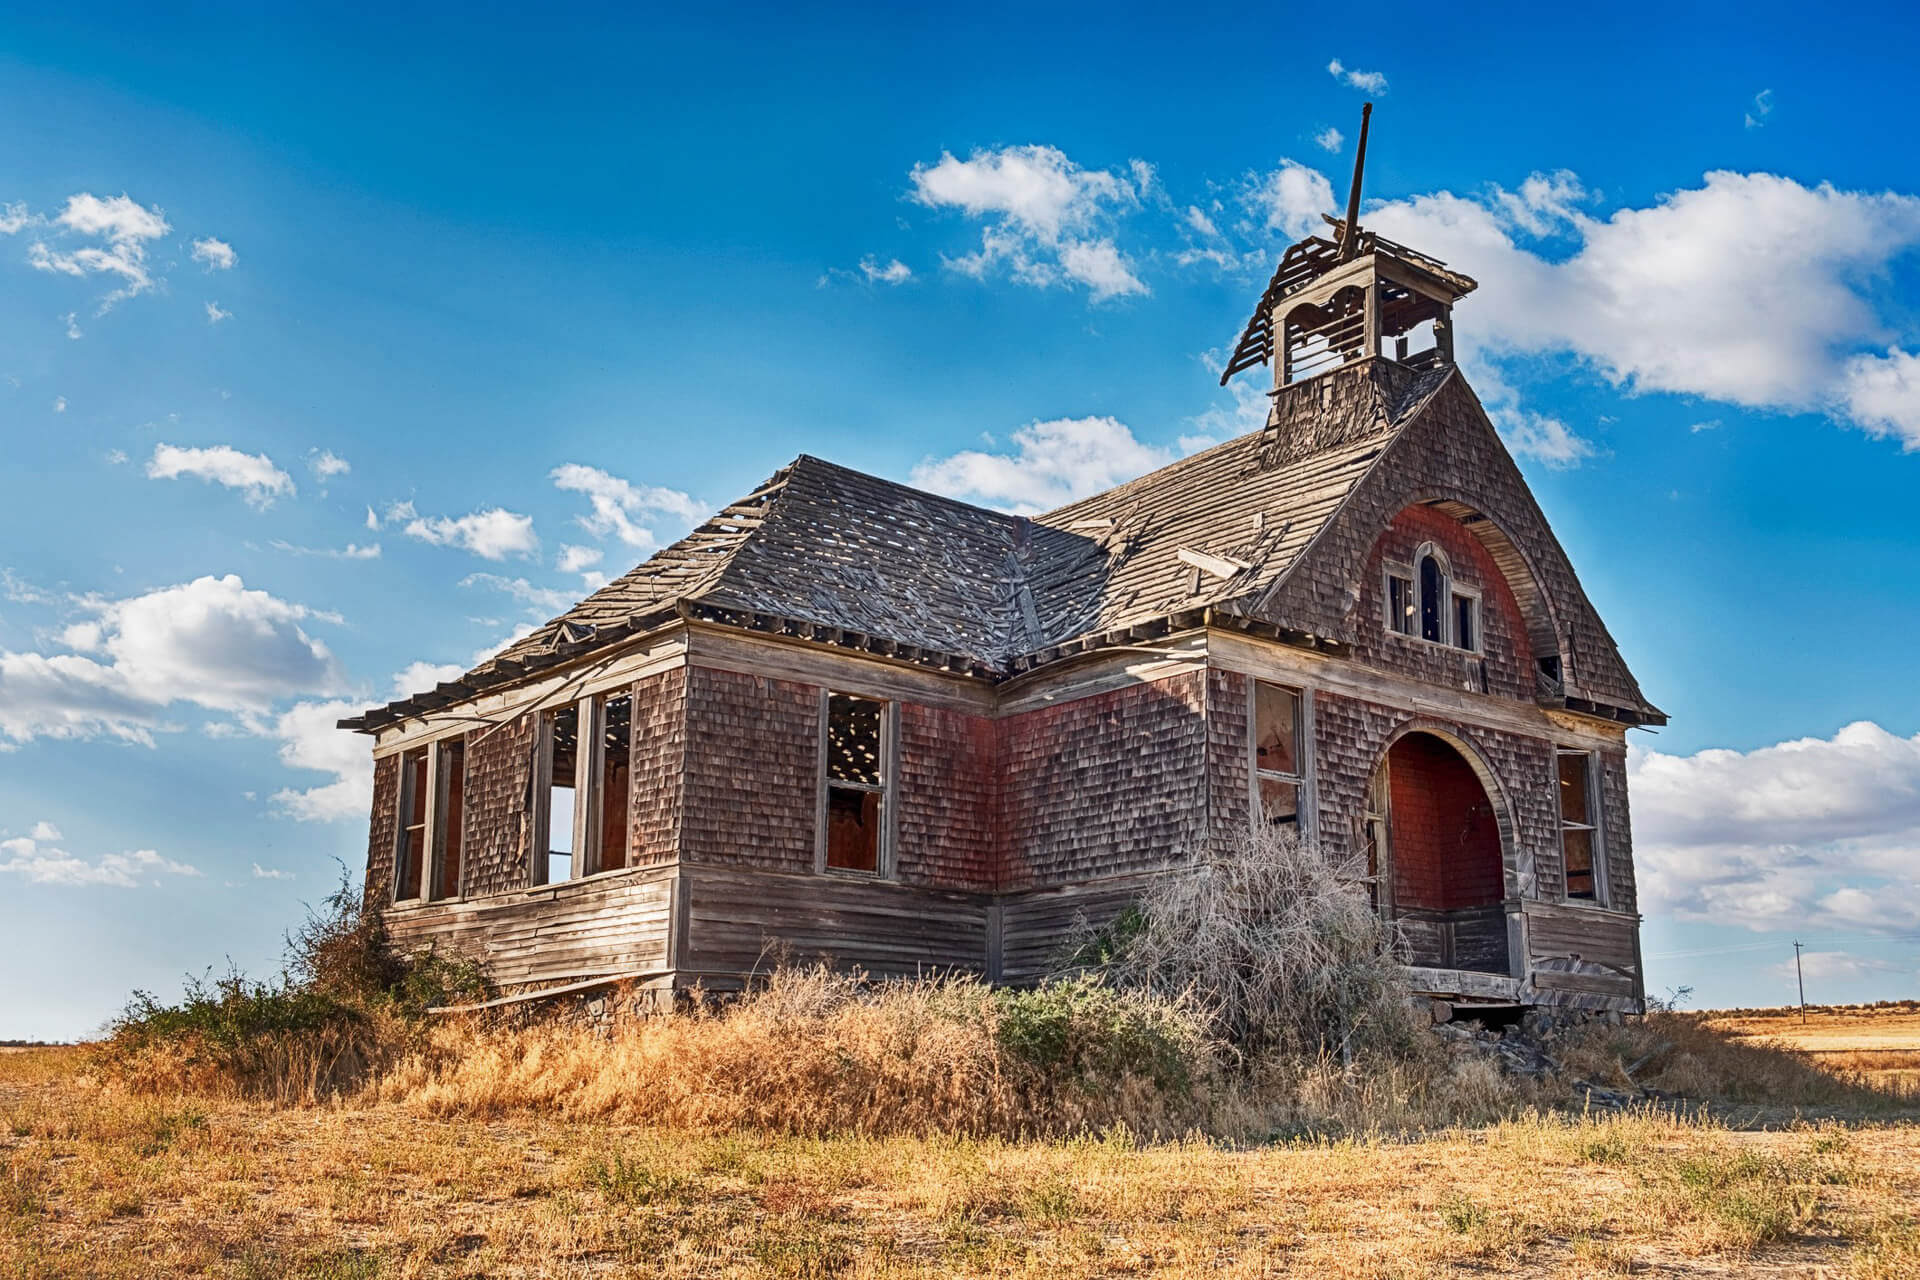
{"type": "Point", "coordinates": [1275, 947]}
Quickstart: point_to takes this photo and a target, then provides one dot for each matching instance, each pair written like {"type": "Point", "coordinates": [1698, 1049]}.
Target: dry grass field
{"type": "Point", "coordinates": [99, 1182]}
{"type": "Point", "coordinates": [1880, 1043]}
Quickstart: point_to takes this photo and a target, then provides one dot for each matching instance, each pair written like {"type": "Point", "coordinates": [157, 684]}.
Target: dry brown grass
{"type": "Point", "coordinates": [1876, 1044]}
{"type": "Point", "coordinates": [100, 1183]}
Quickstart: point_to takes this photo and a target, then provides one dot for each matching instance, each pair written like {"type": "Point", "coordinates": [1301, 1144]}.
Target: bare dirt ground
{"type": "Point", "coordinates": [99, 1184]}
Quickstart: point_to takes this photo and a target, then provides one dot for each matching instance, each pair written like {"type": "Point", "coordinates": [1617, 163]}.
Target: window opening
{"type": "Point", "coordinates": [1400, 607]}
{"type": "Point", "coordinates": [410, 850]}
{"type": "Point", "coordinates": [1466, 622]}
{"type": "Point", "coordinates": [449, 817]}
{"type": "Point", "coordinates": [563, 725]}
{"type": "Point", "coordinates": [1277, 759]}
{"type": "Point", "coordinates": [615, 774]}
{"type": "Point", "coordinates": [856, 782]}
{"type": "Point", "coordinates": [1578, 826]}
{"type": "Point", "coordinates": [1433, 592]}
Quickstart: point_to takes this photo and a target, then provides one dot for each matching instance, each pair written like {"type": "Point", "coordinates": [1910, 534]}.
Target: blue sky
{"type": "Point", "coordinates": [513, 298]}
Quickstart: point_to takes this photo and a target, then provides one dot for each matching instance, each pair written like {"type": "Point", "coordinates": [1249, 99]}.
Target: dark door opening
{"type": "Point", "coordinates": [1448, 875]}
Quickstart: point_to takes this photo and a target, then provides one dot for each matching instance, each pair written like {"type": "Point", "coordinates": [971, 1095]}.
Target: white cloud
{"type": "Point", "coordinates": [1044, 215]}
{"type": "Point", "coordinates": [1812, 833]}
{"type": "Point", "coordinates": [216, 313]}
{"type": "Point", "coordinates": [373, 519]}
{"type": "Point", "coordinates": [1198, 221]}
{"type": "Point", "coordinates": [419, 677]}
{"type": "Point", "coordinates": [574, 559]}
{"type": "Point", "coordinates": [210, 642]}
{"type": "Point", "coordinates": [1762, 107]}
{"type": "Point", "coordinates": [253, 474]}
{"type": "Point", "coordinates": [550, 599]}
{"type": "Point", "coordinates": [29, 858]}
{"type": "Point", "coordinates": [122, 227]}
{"type": "Point", "coordinates": [270, 873]}
{"type": "Point", "coordinates": [1054, 463]}
{"type": "Point", "coordinates": [1882, 394]}
{"type": "Point", "coordinates": [325, 464]}
{"type": "Point", "coordinates": [1290, 200]}
{"type": "Point", "coordinates": [619, 505]}
{"type": "Point", "coordinates": [1535, 435]}
{"type": "Point", "coordinates": [893, 272]}
{"type": "Point", "coordinates": [310, 739]}
{"type": "Point", "coordinates": [14, 217]}
{"type": "Point", "coordinates": [1650, 296]}
{"type": "Point", "coordinates": [493, 534]}
{"type": "Point", "coordinates": [1365, 81]}
{"type": "Point", "coordinates": [71, 319]}
{"type": "Point", "coordinates": [217, 255]}
{"type": "Point", "coordinates": [59, 404]}
{"type": "Point", "coordinates": [352, 551]}
{"type": "Point", "coordinates": [1834, 966]}
{"type": "Point", "coordinates": [1329, 139]}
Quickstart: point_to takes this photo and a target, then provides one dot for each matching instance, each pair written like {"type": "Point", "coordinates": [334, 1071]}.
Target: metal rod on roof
{"type": "Point", "coordinates": [1350, 241]}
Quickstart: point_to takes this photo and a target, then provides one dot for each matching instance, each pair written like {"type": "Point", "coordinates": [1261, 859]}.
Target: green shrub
{"type": "Point", "coordinates": [1079, 1031]}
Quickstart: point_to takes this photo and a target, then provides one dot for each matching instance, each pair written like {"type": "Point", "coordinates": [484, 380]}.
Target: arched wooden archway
{"type": "Point", "coordinates": [1442, 836]}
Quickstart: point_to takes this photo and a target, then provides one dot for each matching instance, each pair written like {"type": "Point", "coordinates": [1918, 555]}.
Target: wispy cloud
{"type": "Point", "coordinates": [492, 534]}
{"type": "Point", "coordinates": [891, 272]}
{"type": "Point", "coordinates": [623, 509]}
{"type": "Point", "coordinates": [1051, 464]}
{"type": "Point", "coordinates": [326, 464]}
{"type": "Point", "coordinates": [35, 861]}
{"type": "Point", "coordinates": [1759, 109]}
{"type": "Point", "coordinates": [1353, 78]}
{"type": "Point", "coordinates": [216, 313]}
{"type": "Point", "coordinates": [352, 551]}
{"type": "Point", "coordinates": [1329, 139]}
{"type": "Point", "coordinates": [215, 255]}
{"type": "Point", "coordinates": [121, 228]}
{"type": "Point", "coordinates": [253, 474]}
{"type": "Point", "coordinates": [1047, 220]}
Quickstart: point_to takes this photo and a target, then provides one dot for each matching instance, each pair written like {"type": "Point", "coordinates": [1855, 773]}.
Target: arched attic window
{"type": "Point", "coordinates": [1434, 578]}
{"type": "Point", "coordinates": [1424, 601]}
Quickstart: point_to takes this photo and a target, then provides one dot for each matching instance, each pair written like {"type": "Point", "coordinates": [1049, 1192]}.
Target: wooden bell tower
{"type": "Point", "coordinates": [1357, 296]}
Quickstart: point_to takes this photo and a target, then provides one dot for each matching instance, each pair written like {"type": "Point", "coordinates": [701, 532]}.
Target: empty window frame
{"type": "Point", "coordinates": [1433, 596]}
{"type": "Point", "coordinates": [583, 788]}
{"type": "Point", "coordinates": [1278, 766]}
{"type": "Point", "coordinates": [1400, 600]}
{"type": "Point", "coordinates": [856, 773]}
{"type": "Point", "coordinates": [410, 832]}
{"type": "Point", "coordinates": [1466, 619]}
{"type": "Point", "coordinates": [449, 811]}
{"type": "Point", "coordinates": [1580, 827]}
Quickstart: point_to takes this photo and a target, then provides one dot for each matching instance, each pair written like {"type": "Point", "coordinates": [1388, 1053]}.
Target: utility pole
{"type": "Point", "coordinates": [1802, 979]}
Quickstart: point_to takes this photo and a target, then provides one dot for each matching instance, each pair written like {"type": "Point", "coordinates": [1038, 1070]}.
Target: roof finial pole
{"type": "Point", "coordinates": [1350, 238]}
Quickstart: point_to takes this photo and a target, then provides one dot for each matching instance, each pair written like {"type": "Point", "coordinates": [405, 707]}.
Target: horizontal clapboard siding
{"type": "Point", "coordinates": [740, 921]}
{"type": "Point", "coordinates": [610, 924]}
{"type": "Point", "coordinates": [1038, 926]}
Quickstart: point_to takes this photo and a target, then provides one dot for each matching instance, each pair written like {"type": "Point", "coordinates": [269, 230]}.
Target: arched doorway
{"type": "Point", "coordinates": [1442, 859]}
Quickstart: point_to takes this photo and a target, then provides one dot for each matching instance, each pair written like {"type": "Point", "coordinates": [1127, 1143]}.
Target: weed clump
{"type": "Point", "coordinates": [344, 1006]}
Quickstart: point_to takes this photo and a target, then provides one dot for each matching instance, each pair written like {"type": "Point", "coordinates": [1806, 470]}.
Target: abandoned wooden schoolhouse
{"type": "Point", "coordinates": [851, 719]}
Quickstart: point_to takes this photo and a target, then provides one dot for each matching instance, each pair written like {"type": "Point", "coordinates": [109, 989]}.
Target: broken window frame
{"type": "Point", "coordinates": [1469, 596]}
{"type": "Point", "coordinates": [884, 838]}
{"type": "Point", "coordinates": [412, 811]}
{"type": "Point", "coordinates": [1302, 750]}
{"type": "Point", "coordinates": [447, 819]}
{"type": "Point", "coordinates": [1591, 827]}
{"type": "Point", "coordinates": [589, 773]}
{"type": "Point", "coordinates": [1401, 622]}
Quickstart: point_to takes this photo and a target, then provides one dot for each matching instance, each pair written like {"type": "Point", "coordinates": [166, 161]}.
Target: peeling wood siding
{"type": "Point", "coordinates": [948, 795]}
{"type": "Point", "coordinates": [1229, 794]}
{"type": "Point", "coordinates": [1037, 926]}
{"type": "Point", "coordinates": [613, 923]}
{"type": "Point", "coordinates": [1507, 653]}
{"type": "Point", "coordinates": [495, 844]}
{"type": "Point", "coordinates": [659, 768]}
{"type": "Point", "coordinates": [742, 920]}
{"type": "Point", "coordinates": [1105, 784]}
{"type": "Point", "coordinates": [752, 772]}
{"type": "Point", "coordinates": [380, 835]}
